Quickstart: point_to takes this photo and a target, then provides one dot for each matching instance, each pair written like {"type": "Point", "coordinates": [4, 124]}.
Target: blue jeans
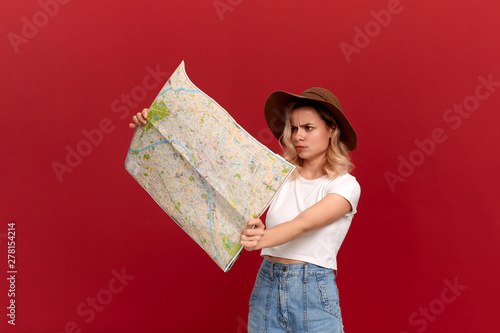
{"type": "Point", "coordinates": [294, 298]}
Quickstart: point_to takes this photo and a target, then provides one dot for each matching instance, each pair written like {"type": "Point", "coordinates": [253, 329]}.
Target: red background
{"type": "Point", "coordinates": [439, 224]}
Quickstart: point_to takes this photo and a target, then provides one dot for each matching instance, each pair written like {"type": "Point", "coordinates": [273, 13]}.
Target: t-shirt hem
{"type": "Point", "coordinates": [299, 257]}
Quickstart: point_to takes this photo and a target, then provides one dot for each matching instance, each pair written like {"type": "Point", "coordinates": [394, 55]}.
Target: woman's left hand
{"type": "Point", "coordinates": [250, 237]}
{"type": "Point", "coordinates": [141, 118]}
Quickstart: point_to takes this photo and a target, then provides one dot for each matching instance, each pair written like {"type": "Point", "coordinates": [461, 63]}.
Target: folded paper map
{"type": "Point", "coordinates": [206, 172]}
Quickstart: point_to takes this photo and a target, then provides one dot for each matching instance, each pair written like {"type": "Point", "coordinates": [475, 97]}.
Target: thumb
{"type": "Point", "coordinates": [257, 223]}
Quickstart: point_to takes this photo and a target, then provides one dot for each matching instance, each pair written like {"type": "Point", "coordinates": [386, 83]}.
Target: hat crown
{"type": "Point", "coordinates": [322, 95]}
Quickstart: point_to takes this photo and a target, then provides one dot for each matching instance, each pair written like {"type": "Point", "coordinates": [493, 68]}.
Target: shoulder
{"type": "Point", "coordinates": [346, 185]}
{"type": "Point", "coordinates": [343, 180]}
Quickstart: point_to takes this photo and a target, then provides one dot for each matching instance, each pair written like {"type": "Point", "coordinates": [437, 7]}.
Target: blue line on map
{"type": "Point", "coordinates": [158, 143]}
{"type": "Point", "coordinates": [177, 90]}
{"type": "Point", "coordinates": [202, 181]}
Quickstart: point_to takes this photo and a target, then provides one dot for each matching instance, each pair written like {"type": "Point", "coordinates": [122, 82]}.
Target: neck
{"type": "Point", "coordinates": [312, 169]}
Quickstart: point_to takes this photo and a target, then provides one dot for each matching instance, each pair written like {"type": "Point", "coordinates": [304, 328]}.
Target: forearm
{"type": "Point", "coordinates": [326, 211]}
{"type": "Point", "coordinates": [281, 234]}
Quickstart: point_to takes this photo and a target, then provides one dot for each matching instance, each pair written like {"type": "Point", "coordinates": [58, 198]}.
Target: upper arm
{"type": "Point", "coordinates": [329, 209]}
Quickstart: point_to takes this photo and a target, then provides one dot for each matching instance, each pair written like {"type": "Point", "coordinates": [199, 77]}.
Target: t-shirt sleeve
{"type": "Point", "coordinates": [348, 187]}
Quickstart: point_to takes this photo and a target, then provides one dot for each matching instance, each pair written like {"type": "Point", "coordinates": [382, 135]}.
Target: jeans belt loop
{"type": "Point", "coordinates": [271, 270]}
{"type": "Point", "coordinates": [305, 272]}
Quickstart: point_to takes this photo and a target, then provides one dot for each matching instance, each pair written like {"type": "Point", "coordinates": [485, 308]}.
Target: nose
{"type": "Point", "coordinates": [299, 134]}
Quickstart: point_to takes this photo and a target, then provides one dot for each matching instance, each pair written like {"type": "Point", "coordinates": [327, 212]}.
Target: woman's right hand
{"type": "Point", "coordinates": [141, 118]}
{"type": "Point", "coordinates": [252, 234]}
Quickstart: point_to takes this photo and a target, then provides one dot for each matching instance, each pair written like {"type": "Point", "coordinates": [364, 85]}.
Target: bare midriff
{"type": "Point", "coordinates": [284, 260]}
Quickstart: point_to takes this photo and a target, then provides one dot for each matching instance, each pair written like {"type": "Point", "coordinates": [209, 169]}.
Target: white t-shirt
{"type": "Point", "coordinates": [318, 247]}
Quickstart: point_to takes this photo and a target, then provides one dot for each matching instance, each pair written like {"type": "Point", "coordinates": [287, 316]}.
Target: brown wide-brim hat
{"type": "Point", "coordinates": [277, 102]}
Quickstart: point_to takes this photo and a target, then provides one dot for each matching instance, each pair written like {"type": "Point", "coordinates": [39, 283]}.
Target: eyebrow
{"type": "Point", "coordinates": [303, 125]}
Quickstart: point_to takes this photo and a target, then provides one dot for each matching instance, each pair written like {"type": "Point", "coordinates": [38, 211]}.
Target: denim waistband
{"type": "Point", "coordinates": [306, 269]}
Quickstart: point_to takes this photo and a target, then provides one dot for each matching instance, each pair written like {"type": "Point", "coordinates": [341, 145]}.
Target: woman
{"type": "Point", "coordinates": [307, 221]}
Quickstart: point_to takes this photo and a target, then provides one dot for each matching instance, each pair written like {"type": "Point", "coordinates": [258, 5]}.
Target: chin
{"type": "Point", "coordinates": [302, 156]}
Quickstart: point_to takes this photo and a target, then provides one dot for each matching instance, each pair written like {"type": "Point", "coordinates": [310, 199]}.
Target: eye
{"type": "Point", "coordinates": [309, 128]}
{"type": "Point", "coordinates": [294, 129]}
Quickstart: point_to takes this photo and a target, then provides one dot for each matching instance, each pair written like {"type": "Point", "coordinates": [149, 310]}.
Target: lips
{"type": "Point", "coordinates": [299, 148]}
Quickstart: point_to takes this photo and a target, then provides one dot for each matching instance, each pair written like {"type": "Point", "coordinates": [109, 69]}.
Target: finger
{"type": "Point", "coordinates": [253, 232]}
{"type": "Point", "coordinates": [249, 238]}
{"type": "Point", "coordinates": [256, 223]}
{"type": "Point", "coordinates": [142, 116]}
{"type": "Point", "coordinates": [248, 243]}
{"type": "Point", "coordinates": [131, 125]}
{"type": "Point", "coordinates": [253, 222]}
{"type": "Point", "coordinates": [248, 247]}
{"type": "Point", "coordinates": [139, 118]}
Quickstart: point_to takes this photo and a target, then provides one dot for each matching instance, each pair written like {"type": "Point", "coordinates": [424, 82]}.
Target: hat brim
{"type": "Point", "coordinates": [275, 109]}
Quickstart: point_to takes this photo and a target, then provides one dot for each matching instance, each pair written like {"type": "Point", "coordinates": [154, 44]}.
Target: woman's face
{"type": "Point", "coordinates": [310, 134]}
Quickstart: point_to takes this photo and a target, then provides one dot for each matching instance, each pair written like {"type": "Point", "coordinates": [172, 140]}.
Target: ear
{"type": "Point", "coordinates": [332, 130]}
